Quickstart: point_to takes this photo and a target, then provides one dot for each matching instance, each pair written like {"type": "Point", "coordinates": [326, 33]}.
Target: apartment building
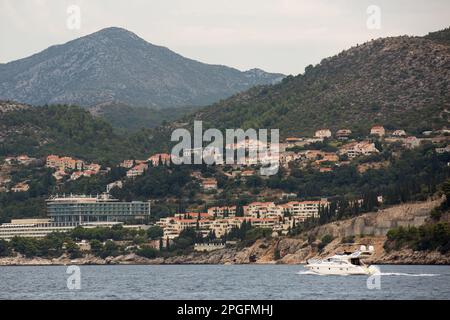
{"type": "Point", "coordinates": [64, 163]}
{"type": "Point", "coordinates": [221, 212]}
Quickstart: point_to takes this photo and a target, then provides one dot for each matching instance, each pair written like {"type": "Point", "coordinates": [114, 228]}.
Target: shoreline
{"type": "Point", "coordinates": [196, 264]}
{"type": "Point", "coordinates": [183, 260]}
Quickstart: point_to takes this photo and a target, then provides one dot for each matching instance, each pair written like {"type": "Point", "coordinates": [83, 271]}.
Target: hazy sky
{"type": "Point", "coordinates": [275, 35]}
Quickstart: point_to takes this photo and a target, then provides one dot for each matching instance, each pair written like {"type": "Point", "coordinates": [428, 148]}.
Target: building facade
{"type": "Point", "coordinates": [81, 209]}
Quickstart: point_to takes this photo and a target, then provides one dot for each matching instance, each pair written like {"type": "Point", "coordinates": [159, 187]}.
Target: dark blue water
{"type": "Point", "coordinates": [221, 282]}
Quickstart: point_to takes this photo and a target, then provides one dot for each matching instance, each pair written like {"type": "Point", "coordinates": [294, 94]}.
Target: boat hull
{"type": "Point", "coordinates": [338, 270]}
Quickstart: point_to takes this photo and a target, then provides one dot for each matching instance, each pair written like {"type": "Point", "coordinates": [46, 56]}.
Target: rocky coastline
{"type": "Point", "coordinates": [367, 229]}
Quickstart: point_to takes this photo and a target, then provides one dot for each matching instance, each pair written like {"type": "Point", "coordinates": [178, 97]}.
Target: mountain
{"type": "Point", "coordinates": [441, 36]}
{"type": "Point", "coordinates": [399, 82]}
{"type": "Point", "coordinates": [115, 65]}
{"type": "Point", "coordinates": [125, 117]}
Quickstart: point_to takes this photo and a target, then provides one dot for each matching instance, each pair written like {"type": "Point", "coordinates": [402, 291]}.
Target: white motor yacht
{"type": "Point", "coordinates": [344, 264]}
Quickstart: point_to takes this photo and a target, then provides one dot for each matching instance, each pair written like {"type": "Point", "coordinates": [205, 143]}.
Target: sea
{"type": "Point", "coordinates": [229, 282]}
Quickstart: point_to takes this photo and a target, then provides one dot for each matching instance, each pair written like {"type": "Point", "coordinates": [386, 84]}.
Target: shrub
{"type": "Point", "coordinates": [326, 239]}
{"type": "Point", "coordinates": [5, 249]}
{"type": "Point", "coordinates": [348, 239]}
{"type": "Point", "coordinates": [147, 252]}
{"type": "Point", "coordinates": [155, 232]}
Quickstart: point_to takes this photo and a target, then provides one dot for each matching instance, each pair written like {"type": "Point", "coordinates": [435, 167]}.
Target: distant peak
{"type": "Point", "coordinates": [114, 32]}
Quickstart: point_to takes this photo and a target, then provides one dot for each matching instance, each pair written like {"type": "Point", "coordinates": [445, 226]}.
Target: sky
{"type": "Point", "coordinates": [275, 35]}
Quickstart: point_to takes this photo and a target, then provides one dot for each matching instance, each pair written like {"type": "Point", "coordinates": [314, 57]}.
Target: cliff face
{"type": "Point", "coordinates": [379, 223]}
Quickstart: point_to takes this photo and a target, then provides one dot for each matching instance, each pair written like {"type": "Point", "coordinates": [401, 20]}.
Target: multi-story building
{"type": "Point", "coordinates": [304, 209]}
{"type": "Point", "coordinates": [261, 209]}
{"type": "Point", "coordinates": [64, 163]}
{"type": "Point", "coordinates": [81, 209]}
{"type": "Point", "coordinates": [222, 211]}
{"type": "Point", "coordinates": [39, 228]}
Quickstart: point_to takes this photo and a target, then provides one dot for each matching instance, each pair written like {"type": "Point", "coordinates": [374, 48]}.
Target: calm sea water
{"type": "Point", "coordinates": [221, 282]}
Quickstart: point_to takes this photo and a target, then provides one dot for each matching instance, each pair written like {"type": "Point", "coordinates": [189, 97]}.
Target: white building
{"type": "Point", "coordinates": [323, 133]}
{"type": "Point", "coordinates": [399, 133]}
{"type": "Point", "coordinates": [39, 228]}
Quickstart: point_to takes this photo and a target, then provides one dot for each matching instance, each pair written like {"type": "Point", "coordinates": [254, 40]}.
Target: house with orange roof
{"type": "Point", "coordinates": [378, 131]}
{"type": "Point", "coordinates": [209, 184]}
{"type": "Point", "coordinates": [20, 187]}
{"type": "Point", "coordinates": [137, 170]}
{"type": "Point", "coordinates": [160, 158]}
{"type": "Point", "coordinates": [127, 164]}
{"type": "Point", "coordinates": [343, 134]}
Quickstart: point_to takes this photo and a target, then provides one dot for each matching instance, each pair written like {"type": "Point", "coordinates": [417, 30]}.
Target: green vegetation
{"type": "Point", "coordinates": [155, 232]}
{"type": "Point", "coordinates": [148, 252]}
{"type": "Point", "coordinates": [326, 239]}
{"type": "Point", "coordinates": [348, 239]}
{"type": "Point", "coordinates": [128, 118]}
{"type": "Point", "coordinates": [354, 89]}
{"type": "Point", "coordinates": [433, 236]}
{"type": "Point", "coordinates": [48, 247]}
{"type": "Point", "coordinates": [158, 182]}
{"type": "Point", "coordinates": [5, 249]}
{"type": "Point", "coordinates": [116, 233]}
{"type": "Point", "coordinates": [441, 36]}
{"type": "Point", "coordinates": [276, 254]}
{"type": "Point", "coordinates": [72, 131]}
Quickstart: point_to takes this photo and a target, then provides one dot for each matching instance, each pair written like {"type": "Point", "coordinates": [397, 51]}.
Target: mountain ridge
{"type": "Point", "coordinates": [399, 82]}
{"type": "Point", "coordinates": [114, 64]}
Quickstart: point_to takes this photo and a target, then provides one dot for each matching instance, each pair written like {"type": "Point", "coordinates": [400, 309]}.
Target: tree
{"type": "Point", "coordinates": [5, 249]}
{"type": "Point", "coordinates": [73, 250]}
{"type": "Point", "coordinates": [147, 252]}
{"type": "Point", "coordinates": [239, 211]}
{"type": "Point", "coordinates": [96, 247]}
{"type": "Point", "coordinates": [110, 249]}
{"type": "Point", "coordinates": [155, 232]}
{"type": "Point", "coordinates": [326, 239]}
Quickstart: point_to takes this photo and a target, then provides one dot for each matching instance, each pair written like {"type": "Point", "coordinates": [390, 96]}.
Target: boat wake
{"type": "Point", "coordinates": [309, 273]}
{"type": "Point", "coordinates": [408, 274]}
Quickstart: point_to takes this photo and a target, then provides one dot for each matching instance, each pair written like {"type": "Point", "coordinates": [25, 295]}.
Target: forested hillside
{"type": "Point", "coordinates": [69, 130]}
{"type": "Point", "coordinates": [399, 82]}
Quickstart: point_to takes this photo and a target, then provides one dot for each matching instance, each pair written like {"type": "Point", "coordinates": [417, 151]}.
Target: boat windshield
{"type": "Point", "coordinates": [336, 260]}
{"type": "Point", "coordinates": [355, 261]}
